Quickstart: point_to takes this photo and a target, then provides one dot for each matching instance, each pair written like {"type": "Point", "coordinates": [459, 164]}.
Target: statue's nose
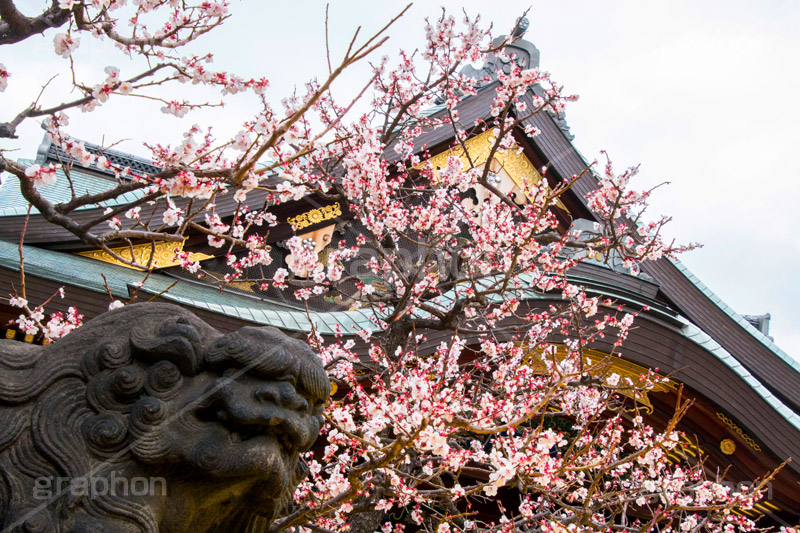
{"type": "Point", "coordinates": [283, 394]}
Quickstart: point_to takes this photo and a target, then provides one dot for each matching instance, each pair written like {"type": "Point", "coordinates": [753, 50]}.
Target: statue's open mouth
{"type": "Point", "coordinates": [262, 415]}
{"type": "Point", "coordinates": [251, 432]}
{"type": "Point", "coordinates": [293, 432]}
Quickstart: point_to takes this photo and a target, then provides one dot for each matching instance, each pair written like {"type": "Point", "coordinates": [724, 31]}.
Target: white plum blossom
{"type": "Point", "coordinates": [179, 109]}
{"type": "Point", "coordinates": [242, 141]}
{"type": "Point", "coordinates": [42, 175]}
{"type": "Point", "coordinates": [114, 223]}
{"type": "Point", "coordinates": [215, 9]}
{"type": "Point", "coordinates": [172, 215]}
{"type": "Point", "coordinates": [4, 75]}
{"type": "Point", "coordinates": [17, 301]}
{"type": "Point", "coordinates": [125, 88]}
{"type": "Point", "coordinates": [65, 44]}
{"type": "Point", "coordinates": [61, 324]}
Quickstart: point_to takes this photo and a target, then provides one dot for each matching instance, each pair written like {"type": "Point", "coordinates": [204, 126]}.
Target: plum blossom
{"type": "Point", "coordinates": [65, 44]}
{"type": "Point", "coordinates": [61, 324]}
{"type": "Point", "coordinates": [4, 75]}
{"type": "Point", "coordinates": [278, 279]}
{"type": "Point", "coordinates": [179, 109]}
{"type": "Point", "coordinates": [187, 263]}
{"type": "Point", "coordinates": [434, 441]}
{"type": "Point", "coordinates": [42, 175]}
{"type": "Point", "coordinates": [27, 325]}
{"type": "Point", "coordinates": [188, 185]}
{"type": "Point", "coordinates": [217, 227]}
{"type": "Point", "coordinates": [214, 9]}
{"type": "Point", "coordinates": [173, 215]}
{"type": "Point", "coordinates": [305, 259]}
{"type": "Point", "coordinates": [112, 74]}
{"type": "Point", "coordinates": [80, 154]}
{"type": "Point", "coordinates": [125, 88]}
{"type": "Point", "coordinates": [17, 301]}
{"type": "Point", "coordinates": [242, 141]}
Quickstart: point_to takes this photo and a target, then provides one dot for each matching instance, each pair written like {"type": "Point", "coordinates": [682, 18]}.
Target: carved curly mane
{"type": "Point", "coordinates": [150, 391]}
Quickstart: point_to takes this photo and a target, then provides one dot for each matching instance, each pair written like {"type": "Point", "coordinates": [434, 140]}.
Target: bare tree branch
{"type": "Point", "coordinates": [16, 27]}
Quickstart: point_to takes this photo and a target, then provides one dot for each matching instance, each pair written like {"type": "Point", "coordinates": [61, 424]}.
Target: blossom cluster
{"type": "Point", "coordinates": [461, 438]}
{"type": "Point", "coordinates": [42, 175]}
{"type": "Point", "coordinates": [32, 321]}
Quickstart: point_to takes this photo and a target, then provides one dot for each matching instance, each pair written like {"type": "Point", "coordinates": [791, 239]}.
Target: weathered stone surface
{"type": "Point", "coordinates": [146, 419]}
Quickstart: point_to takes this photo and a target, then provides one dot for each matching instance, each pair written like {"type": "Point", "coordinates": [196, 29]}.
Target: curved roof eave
{"type": "Point", "coordinates": [12, 203]}
{"type": "Point", "coordinates": [702, 339]}
{"type": "Point", "coordinates": [84, 272]}
{"type": "Point", "coordinates": [736, 317]}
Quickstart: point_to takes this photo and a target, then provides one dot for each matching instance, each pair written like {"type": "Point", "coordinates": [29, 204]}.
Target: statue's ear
{"type": "Point", "coordinates": [174, 339]}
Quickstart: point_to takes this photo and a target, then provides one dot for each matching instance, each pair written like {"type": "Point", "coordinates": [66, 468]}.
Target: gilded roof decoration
{"type": "Point", "coordinates": [315, 216]}
{"type": "Point", "coordinates": [727, 446]}
{"type": "Point", "coordinates": [606, 364]}
{"type": "Point", "coordinates": [517, 166]}
{"type": "Point", "coordinates": [164, 254]}
{"type": "Point", "coordinates": [736, 429]}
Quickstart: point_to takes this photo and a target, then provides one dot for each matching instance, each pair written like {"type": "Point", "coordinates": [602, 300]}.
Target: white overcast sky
{"type": "Point", "coordinates": [702, 94]}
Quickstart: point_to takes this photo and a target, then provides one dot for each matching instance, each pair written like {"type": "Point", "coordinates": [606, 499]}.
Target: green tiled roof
{"type": "Point", "coordinates": [79, 271]}
{"type": "Point", "coordinates": [13, 203]}
{"type": "Point", "coordinates": [739, 319]}
{"type": "Point", "coordinates": [699, 337]}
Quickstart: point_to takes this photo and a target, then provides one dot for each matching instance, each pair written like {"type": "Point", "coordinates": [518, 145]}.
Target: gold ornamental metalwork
{"type": "Point", "coordinates": [736, 429]}
{"type": "Point", "coordinates": [315, 216]}
{"type": "Point", "coordinates": [607, 364]}
{"type": "Point", "coordinates": [517, 166]}
{"type": "Point", "coordinates": [686, 450]}
{"type": "Point", "coordinates": [164, 254]}
{"type": "Point", "coordinates": [727, 446]}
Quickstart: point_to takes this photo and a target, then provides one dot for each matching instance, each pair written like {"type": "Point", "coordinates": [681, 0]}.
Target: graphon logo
{"type": "Point", "coordinates": [46, 488]}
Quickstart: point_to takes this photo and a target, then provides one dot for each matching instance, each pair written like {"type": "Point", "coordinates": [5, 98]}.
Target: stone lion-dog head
{"type": "Point", "coordinates": [146, 419]}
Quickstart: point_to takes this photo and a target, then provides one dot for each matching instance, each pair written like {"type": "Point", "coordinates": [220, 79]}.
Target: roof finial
{"type": "Point", "coordinates": [522, 26]}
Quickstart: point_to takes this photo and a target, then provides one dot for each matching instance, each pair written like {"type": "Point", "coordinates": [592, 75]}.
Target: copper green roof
{"type": "Point", "coordinates": [13, 203]}
{"type": "Point", "coordinates": [78, 271]}
{"type": "Point", "coordinates": [736, 317]}
{"type": "Point", "coordinates": [699, 337]}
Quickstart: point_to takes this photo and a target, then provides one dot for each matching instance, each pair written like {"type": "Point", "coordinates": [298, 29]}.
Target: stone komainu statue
{"type": "Point", "coordinates": [146, 419]}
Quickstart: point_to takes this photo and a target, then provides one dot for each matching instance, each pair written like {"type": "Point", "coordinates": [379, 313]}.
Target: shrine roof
{"type": "Point", "coordinates": [49, 152]}
{"type": "Point", "coordinates": [698, 336]}
{"type": "Point", "coordinates": [103, 278]}
{"type": "Point", "coordinates": [12, 203]}
{"type": "Point", "coordinates": [739, 319]}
